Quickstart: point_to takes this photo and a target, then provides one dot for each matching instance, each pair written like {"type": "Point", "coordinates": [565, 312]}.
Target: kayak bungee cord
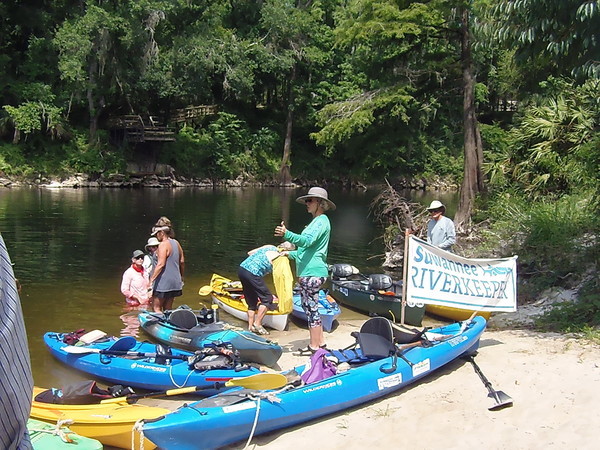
{"type": "Point", "coordinates": [184, 381]}
{"type": "Point", "coordinates": [272, 397]}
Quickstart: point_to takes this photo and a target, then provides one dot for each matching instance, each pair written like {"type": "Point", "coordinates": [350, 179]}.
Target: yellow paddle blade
{"type": "Point", "coordinates": [260, 381]}
{"type": "Point", "coordinates": [205, 290]}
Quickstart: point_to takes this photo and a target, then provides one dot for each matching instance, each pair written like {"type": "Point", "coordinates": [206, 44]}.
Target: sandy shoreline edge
{"type": "Point", "coordinates": [554, 381]}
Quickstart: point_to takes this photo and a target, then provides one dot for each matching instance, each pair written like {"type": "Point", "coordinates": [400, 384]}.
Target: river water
{"type": "Point", "coordinates": [70, 248]}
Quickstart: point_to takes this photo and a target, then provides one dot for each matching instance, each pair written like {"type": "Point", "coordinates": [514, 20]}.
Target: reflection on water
{"type": "Point", "coordinates": [71, 246]}
{"type": "Point", "coordinates": [131, 322]}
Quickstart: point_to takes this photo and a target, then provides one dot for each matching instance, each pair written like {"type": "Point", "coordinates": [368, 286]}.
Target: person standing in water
{"type": "Point", "coordinates": [166, 280]}
{"type": "Point", "coordinates": [134, 284]}
{"type": "Point", "coordinates": [150, 257]}
{"type": "Point", "coordinates": [311, 260]}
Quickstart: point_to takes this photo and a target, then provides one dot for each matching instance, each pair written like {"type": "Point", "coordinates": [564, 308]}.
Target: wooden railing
{"type": "Point", "coordinates": [192, 112]}
{"type": "Point", "coordinates": [137, 130]}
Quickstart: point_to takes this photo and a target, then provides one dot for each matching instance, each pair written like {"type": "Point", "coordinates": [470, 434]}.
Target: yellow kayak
{"type": "Point", "coordinates": [111, 424]}
{"type": "Point", "coordinates": [447, 312]}
{"type": "Point", "coordinates": [229, 296]}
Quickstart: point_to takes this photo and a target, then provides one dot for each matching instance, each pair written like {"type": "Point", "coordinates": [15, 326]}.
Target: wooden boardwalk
{"type": "Point", "coordinates": [135, 129]}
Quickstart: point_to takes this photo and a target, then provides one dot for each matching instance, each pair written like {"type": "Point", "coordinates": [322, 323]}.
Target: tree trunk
{"type": "Point", "coordinates": [285, 177]}
{"type": "Point", "coordinates": [472, 182]}
{"type": "Point", "coordinates": [90, 98]}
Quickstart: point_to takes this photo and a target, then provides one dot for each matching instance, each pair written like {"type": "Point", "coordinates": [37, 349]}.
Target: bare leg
{"type": "Point", "coordinates": [316, 336]}
{"type": "Point", "coordinates": [262, 311]}
{"type": "Point", "coordinates": [168, 303]}
{"type": "Point", "coordinates": [251, 315]}
{"type": "Point", "coordinates": [157, 304]}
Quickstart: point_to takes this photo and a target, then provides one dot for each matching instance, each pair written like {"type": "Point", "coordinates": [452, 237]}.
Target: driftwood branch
{"type": "Point", "coordinates": [396, 214]}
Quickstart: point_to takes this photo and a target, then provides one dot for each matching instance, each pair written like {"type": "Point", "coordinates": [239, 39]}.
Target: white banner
{"type": "Point", "coordinates": [438, 277]}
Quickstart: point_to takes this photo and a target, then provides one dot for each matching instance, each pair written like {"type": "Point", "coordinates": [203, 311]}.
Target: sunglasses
{"type": "Point", "coordinates": [309, 200]}
{"type": "Point", "coordinates": [139, 257]}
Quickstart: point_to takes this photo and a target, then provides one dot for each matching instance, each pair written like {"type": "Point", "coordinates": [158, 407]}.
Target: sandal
{"type": "Point", "coordinates": [306, 351]}
{"type": "Point", "coordinates": [259, 329]}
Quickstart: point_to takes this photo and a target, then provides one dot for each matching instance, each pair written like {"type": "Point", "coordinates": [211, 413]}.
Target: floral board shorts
{"type": "Point", "coordinates": [309, 295]}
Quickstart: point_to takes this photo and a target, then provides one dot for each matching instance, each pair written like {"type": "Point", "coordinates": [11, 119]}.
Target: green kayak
{"type": "Point", "coordinates": [45, 436]}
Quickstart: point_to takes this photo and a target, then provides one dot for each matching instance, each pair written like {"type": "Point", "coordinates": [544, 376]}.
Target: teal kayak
{"type": "Point", "coordinates": [183, 328]}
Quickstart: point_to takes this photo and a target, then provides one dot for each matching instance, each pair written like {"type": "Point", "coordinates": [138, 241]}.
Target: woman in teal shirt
{"type": "Point", "coordinates": [311, 260]}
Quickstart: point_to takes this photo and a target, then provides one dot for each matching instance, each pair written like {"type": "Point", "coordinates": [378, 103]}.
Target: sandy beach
{"type": "Point", "coordinates": [554, 382]}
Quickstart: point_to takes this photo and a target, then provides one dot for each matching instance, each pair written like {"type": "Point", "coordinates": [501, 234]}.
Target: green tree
{"type": "Point", "coordinates": [89, 55]}
{"type": "Point", "coordinates": [557, 36]}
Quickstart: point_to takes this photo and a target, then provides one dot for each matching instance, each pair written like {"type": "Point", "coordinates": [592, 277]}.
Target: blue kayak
{"type": "Point", "coordinates": [329, 310]}
{"type": "Point", "coordinates": [129, 362]}
{"type": "Point", "coordinates": [183, 328]}
{"type": "Point", "coordinates": [216, 421]}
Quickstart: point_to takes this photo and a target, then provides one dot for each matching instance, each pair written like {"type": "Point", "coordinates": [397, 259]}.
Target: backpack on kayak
{"type": "Point", "coordinates": [214, 357]}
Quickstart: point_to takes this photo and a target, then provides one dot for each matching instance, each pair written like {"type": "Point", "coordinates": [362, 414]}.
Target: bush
{"type": "Point", "coordinates": [581, 317]}
{"type": "Point", "coordinates": [554, 239]}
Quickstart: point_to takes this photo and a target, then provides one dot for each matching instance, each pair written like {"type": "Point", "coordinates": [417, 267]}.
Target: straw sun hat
{"type": "Point", "coordinates": [317, 192]}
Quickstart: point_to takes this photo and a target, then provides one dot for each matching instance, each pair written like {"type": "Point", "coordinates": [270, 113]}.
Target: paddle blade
{"type": "Point", "coordinates": [260, 381]}
{"type": "Point", "coordinates": [502, 400]}
{"type": "Point", "coordinates": [79, 350]}
{"type": "Point", "coordinates": [123, 344]}
{"type": "Point", "coordinates": [205, 290]}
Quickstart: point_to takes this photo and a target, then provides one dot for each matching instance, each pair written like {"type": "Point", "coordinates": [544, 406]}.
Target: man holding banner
{"type": "Point", "coordinates": [440, 229]}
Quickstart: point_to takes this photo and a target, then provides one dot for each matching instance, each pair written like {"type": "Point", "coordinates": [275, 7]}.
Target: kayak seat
{"type": "Point", "coordinates": [380, 282]}
{"type": "Point", "coordinates": [374, 341]}
{"type": "Point", "coordinates": [183, 318]}
{"type": "Point", "coordinates": [405, 335]}
{"type": "Point", "coordinates": [376, 338]}
{"type": "Point", "coordinates": [351, 356]}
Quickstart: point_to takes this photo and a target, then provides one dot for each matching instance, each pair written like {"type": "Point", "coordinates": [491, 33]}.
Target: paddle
{"type": "Point", "coordinates": [86, 350]}
{"type": "Point", "coordinates": [205, 290]}
{"type": "Point", "coordinates": [259, 381]}
{"type": "Point", "coordinates": [502, 400]}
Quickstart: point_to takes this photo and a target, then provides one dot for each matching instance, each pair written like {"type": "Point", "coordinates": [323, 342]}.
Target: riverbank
{"type": "Point", "coordinates": [554, 381]}
{"type": "Point", "coordinates": [166, 178]}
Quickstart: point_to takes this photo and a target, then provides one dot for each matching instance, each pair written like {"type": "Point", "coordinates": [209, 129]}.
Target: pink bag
{"type": "Point", "coordinates": [318, 368]}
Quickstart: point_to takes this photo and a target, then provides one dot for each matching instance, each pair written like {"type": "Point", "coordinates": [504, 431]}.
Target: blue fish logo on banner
{"type": "Point", "coordinates": [438, 277]}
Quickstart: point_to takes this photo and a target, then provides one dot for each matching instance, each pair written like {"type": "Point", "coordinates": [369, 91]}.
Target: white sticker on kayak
{"type": "Point", "coordinates": [388, 382]}
{"type": "Point", "coordinates": [239, 407]}
{"type": "Point", "coordinates": [457, 340]}
{"type": "Point", "coordinates": [421, 367]}
{"type": "Point", "coordinates": [147, 367]}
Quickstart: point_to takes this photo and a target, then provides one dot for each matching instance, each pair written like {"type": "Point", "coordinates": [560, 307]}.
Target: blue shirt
{"type": "Point", "coordinates": [441, 233]}
{"type": "Point", "coordinates": [257, 263]}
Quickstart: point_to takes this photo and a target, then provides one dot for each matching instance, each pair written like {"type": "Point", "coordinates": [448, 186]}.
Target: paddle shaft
{"type": "Point", "coordinates": [179, 391]}
{"type": "Point", "coordinates": [141, 354]}
{"type": "Point", "coordinates": [499, 397]}
{"type": "Point", "coordinates": [82, 351]}
{"type": "Point", "coordinates": [258, 381]}
{"type": "Point", "coordinates": [478, 371]}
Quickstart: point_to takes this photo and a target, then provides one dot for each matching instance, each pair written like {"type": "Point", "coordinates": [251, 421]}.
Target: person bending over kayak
{"type": "Point", "coordinates": [256, 293]}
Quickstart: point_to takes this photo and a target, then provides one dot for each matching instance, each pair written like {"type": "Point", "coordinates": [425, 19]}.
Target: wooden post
{"type": "Point", "coordinates": [404, 273]}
